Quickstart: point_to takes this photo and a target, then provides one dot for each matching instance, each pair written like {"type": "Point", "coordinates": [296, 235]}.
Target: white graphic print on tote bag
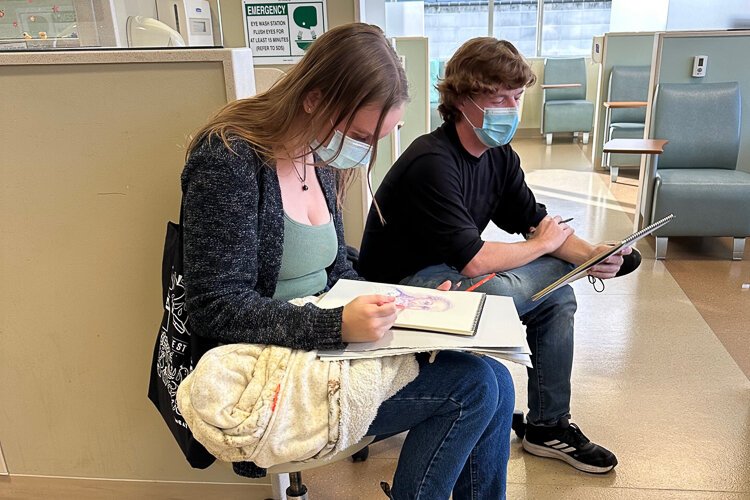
{"type": "Point", "coordinates": [170, 371]}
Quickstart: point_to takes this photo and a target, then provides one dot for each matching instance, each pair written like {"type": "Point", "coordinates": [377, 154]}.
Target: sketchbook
{"type": "Point", "coordinates": [427, 309]}
{"type": "Point", "coordinates": [500, 334]}
{"type": "Point", "coordinates": [583, 269]}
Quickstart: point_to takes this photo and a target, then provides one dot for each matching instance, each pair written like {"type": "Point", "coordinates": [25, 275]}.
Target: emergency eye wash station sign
{"type": "Point", "coordinates": [281, 32]}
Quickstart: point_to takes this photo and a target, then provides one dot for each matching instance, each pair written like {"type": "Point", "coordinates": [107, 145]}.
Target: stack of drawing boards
{"type": "Point", "coordinates": [433, 320]}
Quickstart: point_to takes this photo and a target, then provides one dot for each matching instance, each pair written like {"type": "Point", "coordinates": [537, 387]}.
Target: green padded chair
{"type": "Point", "coordinates": [697, 177]}
{"type": "Point", "coordinates": [564, 106]}
{"type": "Point", "coordinates": [627, 84]}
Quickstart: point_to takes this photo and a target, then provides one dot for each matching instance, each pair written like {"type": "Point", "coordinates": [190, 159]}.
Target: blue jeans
{"type": "Point", "coordinates": [549, 327]}
{"type": "Point", "coordinates": [458, 413]}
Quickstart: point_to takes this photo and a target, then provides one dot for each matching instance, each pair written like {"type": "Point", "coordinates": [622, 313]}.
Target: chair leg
{"type": "Point", "coordinates": [607, 157]}
{"type": "Point", "coordinates": [518, 423]}
{"type": "Point", "coordinates": [661, 247]}
{"type": "Point", "coordinates": [549, 139]}
{"type": "Point", "coordinates": [613, 171]}
{"type": "Point", "coordinates": [279, 484]}
{"type": "Point", "coordinates": [738, 249]}
{"type": "Point", "coordinates": [296, 490]}
{"type": "Point", "coordinates": [586, 137]}
{"type": "Point", "coordinates": [361, 455]}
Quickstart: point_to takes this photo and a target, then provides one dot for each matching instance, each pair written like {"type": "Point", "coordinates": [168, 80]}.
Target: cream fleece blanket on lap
{"type": "Point", "coordinates": [272, 405]}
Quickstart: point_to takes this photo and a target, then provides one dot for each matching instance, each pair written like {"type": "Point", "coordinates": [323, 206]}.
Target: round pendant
{"type": "Point", "coordinates": [304, 187]}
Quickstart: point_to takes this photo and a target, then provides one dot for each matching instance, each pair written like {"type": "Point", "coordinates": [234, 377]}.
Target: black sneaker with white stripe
{"type": "Point", "coordinates": [566, 442]}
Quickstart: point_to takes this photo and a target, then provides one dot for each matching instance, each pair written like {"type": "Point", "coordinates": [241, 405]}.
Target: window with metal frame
{"type": "Point", "coordinates": [538, 28]}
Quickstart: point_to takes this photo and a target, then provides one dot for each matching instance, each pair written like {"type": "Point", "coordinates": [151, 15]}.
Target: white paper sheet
{"type": "Point", "coordinates": [500, 334]}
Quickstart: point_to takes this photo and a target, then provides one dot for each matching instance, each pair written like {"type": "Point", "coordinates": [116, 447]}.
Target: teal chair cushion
{"type": "Point", "coordinates": [434, 76]}
{"type": "Point", "coordinates": [568, 116]}
{"type": "Point", "coordinates": [629, 83]}
{"type": "Point", "coordinates": [701, 122]}
{"type": "Point", "coordinates": [706, 201]}
{"type": "Point", "coordinates": [569, 70]}
{"type": "Point", "coordinates": [627, 128]}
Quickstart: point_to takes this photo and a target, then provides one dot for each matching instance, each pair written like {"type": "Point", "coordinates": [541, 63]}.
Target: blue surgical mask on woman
{"type": "Point", "coordinates": [498, 125]}
{"type": "Point", "coordinates": [353, 153]}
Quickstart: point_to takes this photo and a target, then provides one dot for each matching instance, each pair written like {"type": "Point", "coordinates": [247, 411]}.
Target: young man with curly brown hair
{"type": "Point", "coordinates": [440, 196]}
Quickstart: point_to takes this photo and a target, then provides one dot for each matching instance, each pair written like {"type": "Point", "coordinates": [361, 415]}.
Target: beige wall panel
{"type": "Point", "coordinates": [34, 488]}
{"type": "Point", "coordinates": [354, 212]}
{"type": "Point", "coordinates": [90, 168]}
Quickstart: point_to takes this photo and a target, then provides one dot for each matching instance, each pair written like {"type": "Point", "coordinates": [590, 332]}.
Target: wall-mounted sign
{"type": "Point", "coordinates": [280, 32]}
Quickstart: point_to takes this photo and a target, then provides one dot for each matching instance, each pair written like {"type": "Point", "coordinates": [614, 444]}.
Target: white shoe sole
{"type": "Point", "coordinates": [543, 451]}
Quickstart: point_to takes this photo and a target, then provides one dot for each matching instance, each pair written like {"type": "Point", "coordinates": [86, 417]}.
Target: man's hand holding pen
{"type": "Point", "coordinates": [551, 232]}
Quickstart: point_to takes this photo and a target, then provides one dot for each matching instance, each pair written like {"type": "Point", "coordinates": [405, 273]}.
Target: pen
{"type": "Point", "coordinates": [565, 221]}
{"type": "Point", "coordinates": [480, 282]}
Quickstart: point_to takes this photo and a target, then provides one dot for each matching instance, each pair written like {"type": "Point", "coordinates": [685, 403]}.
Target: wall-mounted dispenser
{"type": "Point", "coordinates": [597, 46]}
{"type": "Point", "coordinates": [699, 66]}
{"type": "Point", "coordinates": [191, 18]}
{"type": "Point", "coordinates": [149, 32]}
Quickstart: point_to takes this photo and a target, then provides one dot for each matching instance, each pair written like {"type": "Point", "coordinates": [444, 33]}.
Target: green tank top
{"type": "Point", "coordinates": [308, 251]}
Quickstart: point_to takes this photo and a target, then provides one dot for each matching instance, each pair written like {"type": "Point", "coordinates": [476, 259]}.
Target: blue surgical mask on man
{"type": "Point", "coordinates": [498, 125]}
{"type": "Point", "coordinates": [353, 153]}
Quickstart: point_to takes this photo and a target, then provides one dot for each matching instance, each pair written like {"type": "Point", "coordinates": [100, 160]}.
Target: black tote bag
{"type": "Point", "coordinates": [176, 351]}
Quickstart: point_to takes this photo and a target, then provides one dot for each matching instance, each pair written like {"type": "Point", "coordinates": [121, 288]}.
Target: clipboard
{"type": "Point", "coordinates": [583, 269]}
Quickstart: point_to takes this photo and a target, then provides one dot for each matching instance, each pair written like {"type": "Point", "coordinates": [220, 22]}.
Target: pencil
{"type": "Point", "coordinates": [481, 282]}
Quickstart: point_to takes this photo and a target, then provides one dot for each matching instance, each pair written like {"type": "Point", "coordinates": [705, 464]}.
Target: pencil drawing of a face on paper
{"type": "Point", "coordinates": [418, 302]}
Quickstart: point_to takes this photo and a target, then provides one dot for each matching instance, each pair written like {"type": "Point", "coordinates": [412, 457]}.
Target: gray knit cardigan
{"type": "Point", "coordinates": [233, 234]}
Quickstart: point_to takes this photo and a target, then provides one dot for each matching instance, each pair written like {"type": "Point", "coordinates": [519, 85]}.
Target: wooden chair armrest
{"type": "Point", "coordinates": [625, 104]}
{"type": "Point", "coordinates": [635, 146]}
{"type": "Point", "coordinates": [560, 85]}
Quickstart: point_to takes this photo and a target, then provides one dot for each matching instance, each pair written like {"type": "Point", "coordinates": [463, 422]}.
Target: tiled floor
{"type": "Point", "coordinates": [712, 281]}
{"type": "Point", "coordinates": [653, 379]}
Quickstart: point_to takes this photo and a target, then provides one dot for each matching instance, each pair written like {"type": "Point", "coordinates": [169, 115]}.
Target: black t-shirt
{"type": "Point", "coordinates": [436, 201]}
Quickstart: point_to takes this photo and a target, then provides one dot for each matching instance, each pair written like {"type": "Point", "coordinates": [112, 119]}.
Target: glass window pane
{"type": "Point", "coordinates": [569, 25]}
{"type": "Point", "coordinates": [515, 21]}
{"type": "Point", "coordinates": [448, 24]}
{"type": "Point", "coordinates": [70, 24]}
{"type": "Point", "coordinates": [25, 24]}
{"type": "Point", "coordinates": [404, 18]}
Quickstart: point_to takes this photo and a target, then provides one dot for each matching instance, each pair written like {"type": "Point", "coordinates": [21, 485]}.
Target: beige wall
{"type": "Point", "coordinates": [90, 166]}
{"type": "Point", "coordinates": [91, 161]}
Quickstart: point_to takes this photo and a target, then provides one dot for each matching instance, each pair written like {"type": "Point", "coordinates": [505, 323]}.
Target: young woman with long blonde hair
{"type": "Point", "coordinates": [262, 192]}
